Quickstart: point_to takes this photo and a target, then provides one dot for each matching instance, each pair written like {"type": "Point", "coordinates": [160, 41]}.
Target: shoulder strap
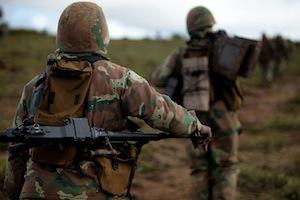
{"type": "Point", "coordinates": [37, 96]}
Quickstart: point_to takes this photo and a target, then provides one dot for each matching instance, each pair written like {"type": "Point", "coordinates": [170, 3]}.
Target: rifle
{"type": "Point", "coordinates": [74, 131]}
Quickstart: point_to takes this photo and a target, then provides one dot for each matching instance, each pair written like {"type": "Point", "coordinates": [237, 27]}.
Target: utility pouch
{"type": "Point", "coordinates": [196, 84]}
{"type": "Point", "coordinates": [235, 56]}
{"type": "Point", "coordinates": [67, 84]}
{"type": "Point", "coordinates": [115, 174]}
{"type": "Point", "coordinates": [55, 155]}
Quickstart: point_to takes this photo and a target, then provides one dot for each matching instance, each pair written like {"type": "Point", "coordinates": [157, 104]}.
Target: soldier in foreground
{"type": "Point", "coordinates": [202, 76]}
{"type": "Point", "coordinates": [80, 81]}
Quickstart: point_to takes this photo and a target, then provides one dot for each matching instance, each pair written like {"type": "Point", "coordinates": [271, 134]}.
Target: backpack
{"type": "Point", "coordinates": [62, 93]}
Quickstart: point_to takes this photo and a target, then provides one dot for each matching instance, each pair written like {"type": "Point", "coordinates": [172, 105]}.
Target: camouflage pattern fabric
{"type": "Point", "coordinates": [162, 73]}
{"type": "Point", "coordinates": [198, 19]}
{"type": "Point", "coordinates": [87, 20]}
{"type": "Point", "coordinates": [281, 54]}
{"type": "Point", "coordinates": [274, 52]}
{"type": "Point", "coordinates": [214, 173]}
{"type": "Point", "coordinates": [115, 92]}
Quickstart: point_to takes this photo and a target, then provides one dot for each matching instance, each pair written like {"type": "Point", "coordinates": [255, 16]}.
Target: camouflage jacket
{"type": "Point", "coordinates": [115, 92]}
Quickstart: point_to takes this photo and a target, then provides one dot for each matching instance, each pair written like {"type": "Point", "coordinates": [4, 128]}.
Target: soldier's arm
{"type": "Point", "coordinates": [141, 100]}
{"type": "Point", "coordinates": [16, 163]}
{"type": "Point", "coordinates": [162, 72]}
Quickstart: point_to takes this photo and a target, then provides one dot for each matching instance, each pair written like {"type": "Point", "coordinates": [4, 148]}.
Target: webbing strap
{"type": "Point", "coordinates": [37, 97]}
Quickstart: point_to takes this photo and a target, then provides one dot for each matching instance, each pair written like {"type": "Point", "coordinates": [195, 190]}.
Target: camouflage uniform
{"type": "Point", "coordinates": [281, 54]}
{"type": "Point", "coordinates": [265, 60]}
{"type": "Point", "coordinates": [214, 173]}
{"type": "Point", "coordinates": [114, 93]}
{"type": "Point", "coordinates": [3, 25]}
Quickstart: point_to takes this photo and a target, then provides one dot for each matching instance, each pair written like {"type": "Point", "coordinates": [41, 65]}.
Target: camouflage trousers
{"type": "Point", "coordinates": [267, 74]}
{"type": "Point", "coordinates": [215, 172]}
{"type": "Point", "coordinates": [278, 68]}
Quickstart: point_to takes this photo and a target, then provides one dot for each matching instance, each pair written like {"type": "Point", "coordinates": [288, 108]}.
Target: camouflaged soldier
{"type": "Point", "coordinates": [81, 81]}
{"type": "Point", "coordinates": [265, 60]}
{"type": "Point", "coordinates": [196, 77]}
{"type": "Point", "coordinates": [3, 25]}
{"type": "Point", "coordinates": [281, 50]}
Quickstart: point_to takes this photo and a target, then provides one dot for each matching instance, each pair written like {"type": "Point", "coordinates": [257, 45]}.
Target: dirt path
{"type": "Point", "coordinates": [171, 182]}
{"type": "Point", "coordinates": [174, 182]}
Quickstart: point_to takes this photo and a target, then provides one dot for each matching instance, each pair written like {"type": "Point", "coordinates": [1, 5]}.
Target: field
{"type": "Point", "coordinates": [269, 145]}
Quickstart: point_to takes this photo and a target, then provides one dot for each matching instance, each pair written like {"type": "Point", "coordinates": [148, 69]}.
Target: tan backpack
{"type": "Point", "coordinates": [65, 89]}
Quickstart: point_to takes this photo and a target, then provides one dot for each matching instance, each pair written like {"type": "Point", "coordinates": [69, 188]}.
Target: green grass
{"type": "Point", "coordinates": [282, 122]}
{"type": "Point", "coordinates": [269, 184]}
{"type": "Point", "coordinates": [292, 67]}
{"type": "Point", "coordinates": [141, 56]}
{"type": "Point", "coordinates": [266, 142]}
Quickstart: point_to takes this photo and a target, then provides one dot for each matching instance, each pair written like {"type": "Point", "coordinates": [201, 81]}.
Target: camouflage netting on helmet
{"type": "Point", "coordinates": [82, 28]}
{"type": "Point", "coordinates": [198, 19]}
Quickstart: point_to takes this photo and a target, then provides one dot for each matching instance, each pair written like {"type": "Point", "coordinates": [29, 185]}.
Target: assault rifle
{"type": "Point", "coordinates": [75, 131]}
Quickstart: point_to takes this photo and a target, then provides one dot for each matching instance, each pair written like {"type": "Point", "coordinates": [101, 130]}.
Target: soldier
{"type": "Point", "coordinates": [265, 60]}
{"type": "Point", "coordinates": [193, 77]}
{"type": "Point", "coordinates": [81, 81]}
{"type": "Point", "coordinates": [281, 53]}
{"type": "Point", "coordinates": [2, 24]}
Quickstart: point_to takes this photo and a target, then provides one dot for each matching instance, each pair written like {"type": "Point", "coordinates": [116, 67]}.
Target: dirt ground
{"type": "Point", "coordinates": [174, 182]}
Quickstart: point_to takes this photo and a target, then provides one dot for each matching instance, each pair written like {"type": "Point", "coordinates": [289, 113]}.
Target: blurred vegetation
{"type": "Point", "coordinates": [270, 154]}
{"type": "Point", "coordinates": [269, 151]}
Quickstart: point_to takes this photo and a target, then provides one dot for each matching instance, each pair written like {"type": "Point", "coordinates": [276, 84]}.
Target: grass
{"type": "Point", "coordinates": [265, 142]}
{"type": "Point", "coordinates": [275, 185]}
{"type": "Point", "coordinates": [284, 122]}
{"type": "Point", "coordinates": [141, 56]}
{"type": "Point", "coordinates": [271, 184]}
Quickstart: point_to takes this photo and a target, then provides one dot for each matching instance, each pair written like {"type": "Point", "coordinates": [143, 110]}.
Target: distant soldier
{"type": "Point", "coordinates": [202, 76]}
{"type": "Point", "coordinates": [280, 49]}
{"type": "Point", "coordinates": [3, 25]}
{"type": "Point", "coordinates": [1, 28]}
{"type": "Point", "coordinates": [80, 81]}
{"type": "Point", "coordinates": [283, 50]}
{"type": "Point", "coordinates": [291, 45]}
{"type": "Point", "coordinates": [1, 13]}
{"type": "Point", "coordinates": [265, 60]}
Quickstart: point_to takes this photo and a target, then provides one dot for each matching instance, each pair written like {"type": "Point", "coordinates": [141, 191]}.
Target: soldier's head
{"type": "Point", "coordinates": [82, 28]}
{"type": "Point", "coordinates": [198, 20]}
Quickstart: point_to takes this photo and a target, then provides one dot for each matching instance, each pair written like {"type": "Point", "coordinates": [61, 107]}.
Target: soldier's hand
{"type": "Point", "coordinates": [202, 137]}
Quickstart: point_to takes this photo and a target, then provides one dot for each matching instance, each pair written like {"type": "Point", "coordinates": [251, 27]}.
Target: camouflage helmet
{"type": "Point", "coordinates": [82, 28]}
{"type": "Point", "coordinates": [199, 18]}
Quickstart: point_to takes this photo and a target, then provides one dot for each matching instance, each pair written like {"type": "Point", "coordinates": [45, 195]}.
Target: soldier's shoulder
{"type": "Point", "coordinates": [178, 51]}
{"type": "Point", "coordinates": [110, 68]}
{"type": "Point", "coordinates": [30, 84]}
